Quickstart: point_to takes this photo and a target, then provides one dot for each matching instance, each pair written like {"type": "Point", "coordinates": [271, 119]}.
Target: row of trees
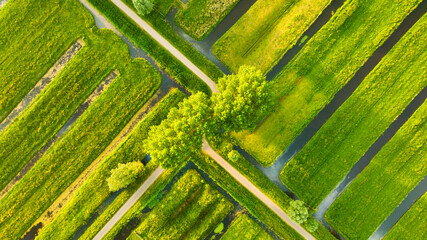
{"type": "Point", "coordinates": [244, 99]}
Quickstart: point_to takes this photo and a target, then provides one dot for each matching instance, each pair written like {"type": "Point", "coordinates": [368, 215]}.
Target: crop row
{"type": "Point", "coordinates": [357, 124]}
{"type": "Point", "coordinates": [69, 156]}
{"type": "Point", "coordinates": [95, 191]}
{"type": "Point", "coordinates": [324, 65]}
{"type": "Point", "coordinates": [382, 186]}
{"type": "Point", "coordinates": [263, 35]}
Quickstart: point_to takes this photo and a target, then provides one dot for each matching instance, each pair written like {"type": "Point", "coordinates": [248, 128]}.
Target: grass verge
{"type": "Point", "coordinates": [324, 65]}
{"type": "Point", "coordinates": [357, 124]}
{"type": "Point", "coordinates": [270, 26]}
{"type": "Point", "coordinates": [386, 181]}
{"type": "Point", "coordinates": [95, 191]}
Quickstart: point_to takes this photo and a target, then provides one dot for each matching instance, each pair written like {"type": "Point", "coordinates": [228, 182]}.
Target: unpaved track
{"type": "Point", "coordinates": [254, 190]}
{"type": "Point", "coordinates": [162, 41]}
{"type": "Point", "coordinates": [132, 200]}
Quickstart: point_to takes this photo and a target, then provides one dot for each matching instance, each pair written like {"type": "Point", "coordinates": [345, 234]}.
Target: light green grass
{"type": "Point", "coordinates": [33, 36]}
{"type": "Point", "coordinates": [264, 34]}
{"type": "Point", "coordinates": [356, 125]}
{"type": "Point", "coordinates": [89, 136]}
{"type": "Point", "coordinates": [95, 190]}
{"type": "Point", "coordinates": [200, 17]}
{"type": "Point", "coordinates": [244, 228]}
{"type": "Point", "coordinates": [191, 210]}
{"type": "Point", "coordinates": [386, 181]}
{"type": "Point", "coordinates": [324, 65]}
{"type": "Point", "coordinates": [412, 225]}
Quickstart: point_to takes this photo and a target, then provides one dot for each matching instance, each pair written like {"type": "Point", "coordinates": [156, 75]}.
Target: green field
{"type": "Point", "coordinates": [191, 210]}
{"type": "Point", "coordinates": [264, 34]}
{"type": "Point", "coordinates": [314, 172]}
{"type": "Point", "coordinates": [30, 46]}
{"type": "Point", "coordinates": [412, 225]}
{"type": "Point", "coordinates": [382, 186]}
{"type": "Point", "coordinates": [324, 65]}
{"type": "Point", "coordinates": [200, 17]}
{"type": "Point", "coordinates": [92, 194]}
{"type": "Point", "coordinates": [244, 228]}
{"type": "Point", "coordinates": [90, 135]}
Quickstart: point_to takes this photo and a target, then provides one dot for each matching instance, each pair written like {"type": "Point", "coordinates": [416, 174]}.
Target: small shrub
{"type": "Point", "coordinates": [124, 175]}
{"type": "Point", "coordinates": [298, 212]}
{"type": "Point", "coordinates": [233, 155]}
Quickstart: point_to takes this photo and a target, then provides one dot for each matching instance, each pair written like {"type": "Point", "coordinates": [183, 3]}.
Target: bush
{"type": "Point", "coordinates": [298, 212]}
{"type": "Point", "coordinates": [311, 225]}
{"type": "Point", "coordinates": [233, 155]}
{"type": "Point", "coordinates": [124, 175]}
{"type": "Point", "coordinates": [143, 7]}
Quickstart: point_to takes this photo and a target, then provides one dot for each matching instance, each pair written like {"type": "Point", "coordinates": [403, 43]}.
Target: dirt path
{"type": "Point", "coordinates": [132, 200]}
{"type": "Point", "coordinates": [162, 41]}
{"type": "Point", "coordinates": [248, 185]}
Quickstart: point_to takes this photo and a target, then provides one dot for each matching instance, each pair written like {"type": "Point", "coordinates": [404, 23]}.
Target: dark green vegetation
{"type": "Point", "coordinates": [413, 225]}
{"type": "Point", "coordinates": [244, 228]}
{"type": "Point", "coordinates": [29, 47]}
{"type": "Point", "coordinates": [382, 186]}
{"type": "Point", "coordinates": [358, 123]}
{"type": "Point", "coordinates": [263, 35]}
{"type": "Point", "coordinates": [191, 210]}
{"type": "Point", "coordinates": [180, 135]}
{"type": "Point", "coordinates": [95, 191]}
{"type": "Point", "coordinates": [200, 17]}
{"type": "Point", "coordinates": [89, 136]}
{"type": "Point", "coordinates": [324, 65]}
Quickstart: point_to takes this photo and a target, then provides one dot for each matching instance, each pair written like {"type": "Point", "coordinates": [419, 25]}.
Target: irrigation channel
{"type": "Point", "coordinates": [238, 209]}
{"type": "Point", "coordinates": [167, 84]}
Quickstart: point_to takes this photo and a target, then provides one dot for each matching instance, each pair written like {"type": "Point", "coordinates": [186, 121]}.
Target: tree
{"type": "Point", "coordinates": [244, 99]}
{"type": "Point", "coordinates": [143, 7]}
{"type": "Point", "coordinates": [233, 155]}
{"type": "Point", "coordinates": [180, 135]}
{"type": "Point", "coordinates": [298, 212]}
{"type": "Point", "coordinates": [124, 174]}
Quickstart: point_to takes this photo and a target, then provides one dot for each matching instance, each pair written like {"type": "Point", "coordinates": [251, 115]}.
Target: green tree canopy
{"type": "Point", "coordinates": [233, 155]}
{"type": "Point", "coordinates": [143, 7]}
{"type": "Point", "coordinates": [311, 225]}
{"type": "Point", "coordinates": [244, 99]}
{"type": "Point", "coordinates": [180, 135]}
{"type": "Point", "coordinates": [298, 212]}
{"type": "Point", "coordinates": [124, 174]}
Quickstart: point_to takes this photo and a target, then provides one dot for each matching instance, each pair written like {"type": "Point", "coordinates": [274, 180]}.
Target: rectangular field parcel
{"type": "Point", "coordinates": [200, 17]}
{"type": "Point", "coordinates": [412, 225]}
{"type": "Point", "coordinates": [356, 125]}
{"type": "Point", "coordinates": [191, 210]}
{"type": "Point", "coordinates": [264, 34]}
{"type": "Point", "coordinates": [92, 194]}
{"type": "Point", "coordinates": [381, 187]}
{"type": "Point", "coordinates": [324, 65]}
